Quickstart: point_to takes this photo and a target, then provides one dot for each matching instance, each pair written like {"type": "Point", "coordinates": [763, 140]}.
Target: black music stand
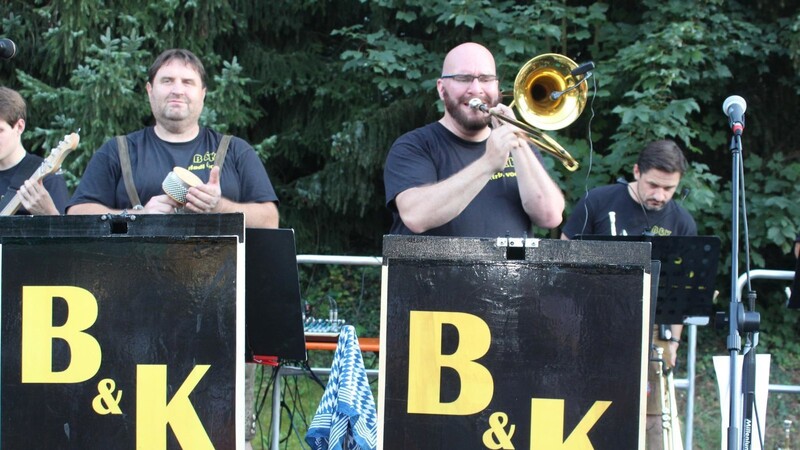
{"type": "Point", "coordinates": [688, 269]}
{"type": "Point", "coordinates": [273, 307]}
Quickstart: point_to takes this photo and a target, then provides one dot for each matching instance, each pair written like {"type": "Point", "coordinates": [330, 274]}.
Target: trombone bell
{"type": "Point", "coordinates": [537, 80]}
{"type": "Point", "coordinates": [548, 97]}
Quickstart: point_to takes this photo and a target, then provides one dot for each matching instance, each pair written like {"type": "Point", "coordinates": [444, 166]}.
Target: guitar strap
{"type": "Point", "coordinates": [127, 172]}
{"type": "Point", "coordinates": [25, 170]}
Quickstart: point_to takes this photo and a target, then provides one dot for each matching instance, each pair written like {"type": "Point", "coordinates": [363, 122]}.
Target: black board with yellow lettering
{"type": "Point", "coordinates": [121, 341]}
{"type": "Point", "coordinates": [489, 346]}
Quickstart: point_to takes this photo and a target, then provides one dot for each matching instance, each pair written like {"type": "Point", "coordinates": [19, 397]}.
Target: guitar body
{"type": "Point", "coordinates": [49, 165]}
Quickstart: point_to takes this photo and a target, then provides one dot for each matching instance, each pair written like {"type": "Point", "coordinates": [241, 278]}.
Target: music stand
{"type": "Point", "coordinates": [273, 307]}
{"type": "Point", "coordinates": [688, 269]}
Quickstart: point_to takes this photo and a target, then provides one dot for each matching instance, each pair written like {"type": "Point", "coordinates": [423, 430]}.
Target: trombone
{"type": "Point", "coordinates": [671, 433]}
{"type": "Point", "coordinates": [550, 94]}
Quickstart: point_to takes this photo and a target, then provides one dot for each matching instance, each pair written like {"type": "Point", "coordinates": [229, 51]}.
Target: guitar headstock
{"type": "Point", "coordinates": [53, 162]}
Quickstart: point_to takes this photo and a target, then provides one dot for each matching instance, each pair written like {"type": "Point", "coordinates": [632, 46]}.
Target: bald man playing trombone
{"type": "Point", "coordinates": [469, 174]}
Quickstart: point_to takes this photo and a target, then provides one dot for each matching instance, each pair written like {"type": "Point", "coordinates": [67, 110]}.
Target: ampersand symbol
{"type": "Point", "coordinates": [496, 437]}
{"type": "Point", "coordinates": [106, 403]}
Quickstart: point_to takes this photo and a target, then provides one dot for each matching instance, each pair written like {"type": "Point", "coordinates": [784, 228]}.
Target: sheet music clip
{"type": "Point", "coordinates": [517, 242]}
{"type": "Point", "coordinates": [515, 247]}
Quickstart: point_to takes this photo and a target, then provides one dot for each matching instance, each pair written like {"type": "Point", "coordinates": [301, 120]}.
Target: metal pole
{"type": "Point", "coordinates": [275, 442]}
{"type": "Point", "coordinates": [734, 341]}
{"type": "Point", "coordinates": [690, 375]}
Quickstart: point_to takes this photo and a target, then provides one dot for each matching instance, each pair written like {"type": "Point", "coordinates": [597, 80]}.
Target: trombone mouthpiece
{"type": "Point", "coordinates": [476, 103]}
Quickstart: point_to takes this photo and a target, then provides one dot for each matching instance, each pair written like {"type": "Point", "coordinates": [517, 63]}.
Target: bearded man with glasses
{"type": "Point", "coordinates": [468, 174]}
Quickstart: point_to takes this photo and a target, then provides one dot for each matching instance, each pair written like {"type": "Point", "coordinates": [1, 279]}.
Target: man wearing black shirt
{"type": "Point", "coordinates": [641, 207]}
{"type": "Point", "coordinates": [461, 177]}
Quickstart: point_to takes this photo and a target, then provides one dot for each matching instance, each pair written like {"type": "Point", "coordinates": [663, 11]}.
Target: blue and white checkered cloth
{"type": "Point", "coordinates": [346, 418]}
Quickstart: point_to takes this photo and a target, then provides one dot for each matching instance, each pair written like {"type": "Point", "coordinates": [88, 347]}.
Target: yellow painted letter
{"type": "Point", "coordinates": [547, 425]}
{"type": "Point", "coordinates": [38, 333]}
{"type": "Point", "coordinates": [153, 413]}
{"type": "Point", "coordinates": [425, 362]}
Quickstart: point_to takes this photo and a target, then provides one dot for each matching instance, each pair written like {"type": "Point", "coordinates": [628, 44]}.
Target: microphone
{"type": "Point", "coordinates": [734, 107]}
{"type": "Point", "coordinates": [585, 70]}
{"type": "Point", "coordinates": [582, 69]}
{"type": "Point", "coordinates": [7, 49]}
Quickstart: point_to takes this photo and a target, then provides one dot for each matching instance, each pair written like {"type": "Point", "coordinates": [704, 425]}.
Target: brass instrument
{"type": "Point", "coordinates": [787, 436]}
{"type": "Point", "coordinates": [550, 94]}
{"type": "Point", "coordinates": [671, 432]}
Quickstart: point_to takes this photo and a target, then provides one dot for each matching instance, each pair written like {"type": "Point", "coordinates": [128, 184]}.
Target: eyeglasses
{"type": "Point", "coordinates": [466, 78]}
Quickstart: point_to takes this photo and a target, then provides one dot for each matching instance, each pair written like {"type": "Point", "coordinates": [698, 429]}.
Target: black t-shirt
{"type": "Point", "coordinates": [431, 154]}
{"type": "Point", "coordinates": [610, 210]}
{"type": "Point", "coordinates": [54, 183]}
{"type": "Point", "coordinates": [243, 179]}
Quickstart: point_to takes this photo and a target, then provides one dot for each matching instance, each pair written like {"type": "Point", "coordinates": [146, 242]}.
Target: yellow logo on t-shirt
{"type": "Point", "coordinates": [203, 162]}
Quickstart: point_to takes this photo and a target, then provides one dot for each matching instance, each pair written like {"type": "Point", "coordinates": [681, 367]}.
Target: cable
{"type": "Point", "coordinates": [744, 220]}
{"type": "Point", "coordinates": [591, 157]}
{"type": "Point", "coordinates": [647, 228]}
{"type": "Point", "coordinates": [751, 294]}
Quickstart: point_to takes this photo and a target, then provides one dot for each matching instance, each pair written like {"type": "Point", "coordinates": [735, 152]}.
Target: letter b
{"type": "Point", "coordinates": [38, 334]}
{"type": "Point", "coordinates": [425, 362]}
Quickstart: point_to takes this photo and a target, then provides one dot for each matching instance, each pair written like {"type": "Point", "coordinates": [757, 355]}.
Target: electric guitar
{"type": "Point", "coordinates": [51, 164]}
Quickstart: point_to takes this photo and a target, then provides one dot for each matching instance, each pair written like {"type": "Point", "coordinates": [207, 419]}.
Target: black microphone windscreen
{"type": "Point", "coordinates": [7, 48]}
{"type": "Point", "coordinates": [582, 69]}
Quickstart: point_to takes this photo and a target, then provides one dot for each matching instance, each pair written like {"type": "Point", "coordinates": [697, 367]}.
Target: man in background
{"type": "Point", "coordinates": [642, 207]}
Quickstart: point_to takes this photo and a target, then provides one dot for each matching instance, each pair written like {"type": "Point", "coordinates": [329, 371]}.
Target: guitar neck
{"type": "Point", "coordinates": [12, 207]}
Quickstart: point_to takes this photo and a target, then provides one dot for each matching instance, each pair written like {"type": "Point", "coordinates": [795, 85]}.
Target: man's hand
{"type": "Point", "coordinates": [36, 200]}
{"type": "Point", "coordinates": [505, 138]}
{"type": "Point", "coordinates": [206, 197]}
{"type": "Point", "coordinates": [673, 354]}
{"type": "Point", "coordinates": [160, 204]}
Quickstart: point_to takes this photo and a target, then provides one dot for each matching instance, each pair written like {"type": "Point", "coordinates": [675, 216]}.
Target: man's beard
{"type": "Point", "coordinates": [654, 208]}
{"type": "Point", "coordinates": [468, 120]}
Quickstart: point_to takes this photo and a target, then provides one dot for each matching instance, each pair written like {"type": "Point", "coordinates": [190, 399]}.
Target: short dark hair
{"type": "Point", "coordinates": [12, 106]}
{"type": "Point", "coordinates": [664, 155]}
{"type": "Point", "coordinates": [177, 53]}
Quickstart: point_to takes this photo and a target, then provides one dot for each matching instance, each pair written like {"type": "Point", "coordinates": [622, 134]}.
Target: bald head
{"type": "Point", "coordinates": [470, 58]}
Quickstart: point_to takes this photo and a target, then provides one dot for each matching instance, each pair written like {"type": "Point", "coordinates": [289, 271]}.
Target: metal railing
{"type": "Point", "coordinates": [785, 275]}
{"type": "Point", "coordinates": [284, 371]}
{"type": "Point", "coordinates": [692, 323]}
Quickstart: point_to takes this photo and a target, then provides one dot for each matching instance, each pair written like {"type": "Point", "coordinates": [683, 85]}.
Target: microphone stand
{"type": "Point", "coordinates": [740, 321]}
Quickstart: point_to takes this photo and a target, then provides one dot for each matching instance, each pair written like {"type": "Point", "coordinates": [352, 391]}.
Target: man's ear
{"type": "Point", "coordinates": [636, 172]}
{"type": "Point", "coordinates": [440, 89]}
{"type": "Point", "coordinates": [19, 126]}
